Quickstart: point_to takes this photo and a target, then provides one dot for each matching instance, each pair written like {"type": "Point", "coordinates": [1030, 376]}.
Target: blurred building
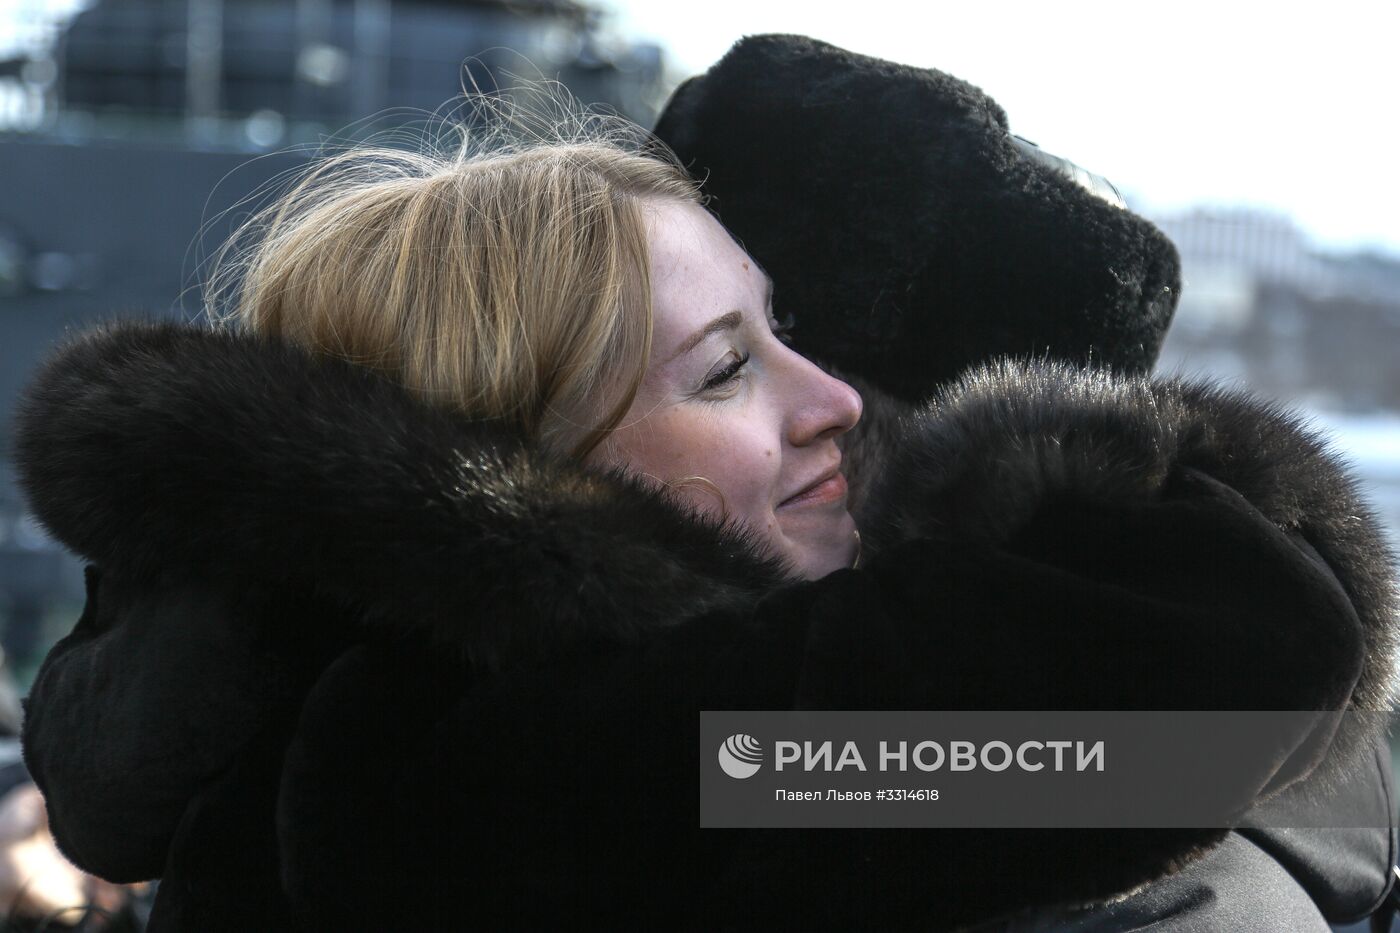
{"type": "Point", "coordinates": [131, 132]}
{"type": "Point", "coordinates": [1263, 306]}
{"type": "Point", "coordinates": [1261, 303]}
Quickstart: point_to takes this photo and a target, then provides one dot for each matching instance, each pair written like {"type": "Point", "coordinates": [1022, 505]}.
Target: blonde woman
{"type": "Point", "coordinates": [406, 590]}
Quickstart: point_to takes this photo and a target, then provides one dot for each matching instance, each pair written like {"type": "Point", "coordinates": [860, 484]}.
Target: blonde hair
{"type": "Point", "coordinates": [508, 280]}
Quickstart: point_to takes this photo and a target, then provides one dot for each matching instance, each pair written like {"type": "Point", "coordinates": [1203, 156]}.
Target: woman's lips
{"type": "Point", "coordinates": [832, 489]}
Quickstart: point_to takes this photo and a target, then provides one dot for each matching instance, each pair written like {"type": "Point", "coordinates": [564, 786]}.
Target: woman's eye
{"type": "Point", "coordinates": [784, 328]}
{"type": "Point", "coordinates": [726, 375]}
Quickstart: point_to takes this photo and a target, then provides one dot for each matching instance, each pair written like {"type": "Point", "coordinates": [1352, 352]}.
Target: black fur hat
{"type": "Point", "coordinates": [908, 232]}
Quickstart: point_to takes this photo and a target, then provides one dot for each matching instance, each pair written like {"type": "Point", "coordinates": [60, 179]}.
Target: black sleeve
{"type": "Point", "coordinates": [153, 693]}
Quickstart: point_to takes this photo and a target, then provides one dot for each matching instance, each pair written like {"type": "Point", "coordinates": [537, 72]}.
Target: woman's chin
{"type": "Point", "coordinates": [816, 546]}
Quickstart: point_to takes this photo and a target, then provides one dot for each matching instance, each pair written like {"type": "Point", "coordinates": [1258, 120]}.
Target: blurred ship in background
{"type": "Point", "coordinates": [129, 136]}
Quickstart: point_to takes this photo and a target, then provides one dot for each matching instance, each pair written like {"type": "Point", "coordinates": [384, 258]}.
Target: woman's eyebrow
{"type": "Point", "coordinates": [729, 320]}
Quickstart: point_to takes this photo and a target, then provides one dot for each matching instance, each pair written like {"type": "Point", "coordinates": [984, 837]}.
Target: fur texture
{"type": "Point", "coordinates": [915, 237]}
{"type": "Point", "coordinates": [244, 456]}
{"type": "Point", "coordinates": [999, 445]}
{"type": "Point", "coordinates": [233, 452]}
{"type": "Point", "coordinates": [1042, 537]}
{"type": "Point", "coordinates": [322, 613]}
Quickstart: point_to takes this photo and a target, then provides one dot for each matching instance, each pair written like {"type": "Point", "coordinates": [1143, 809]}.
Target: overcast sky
{"type": "Point", "coordinates": [1292, 107]}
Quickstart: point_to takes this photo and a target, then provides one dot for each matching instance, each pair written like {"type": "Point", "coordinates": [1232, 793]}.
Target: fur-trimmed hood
{"type": "Point", "coordinates": [1031, 517]}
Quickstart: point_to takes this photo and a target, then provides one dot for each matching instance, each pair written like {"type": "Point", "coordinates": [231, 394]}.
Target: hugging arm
{"type": "Point", "coordinates": [1129, 575]}
{"type": "Point", "coordinates": [418, 711]}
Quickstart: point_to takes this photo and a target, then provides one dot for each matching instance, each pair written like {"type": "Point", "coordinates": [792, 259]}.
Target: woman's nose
{"type": "Point", "coordinates": [825, 407]}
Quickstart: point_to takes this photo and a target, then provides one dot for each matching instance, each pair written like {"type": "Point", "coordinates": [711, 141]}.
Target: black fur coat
{"type": "Point", "coordinates": [350, 662]}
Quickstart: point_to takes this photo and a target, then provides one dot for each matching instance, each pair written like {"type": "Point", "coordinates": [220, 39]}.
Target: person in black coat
{"type": "Point", "coordinates": [359, 655]}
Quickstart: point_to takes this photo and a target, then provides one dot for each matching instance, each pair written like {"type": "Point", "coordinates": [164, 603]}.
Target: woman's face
{"type": "Point", "coordinates": [725, 398]}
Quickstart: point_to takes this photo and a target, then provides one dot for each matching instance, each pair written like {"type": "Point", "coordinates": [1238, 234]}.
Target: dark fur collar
{"type": "Point", "coordinates": [165, 448]}
{"type": "Point", "coordinates": [995, 446]}
{"type": "Point", "coordinates": [162, 448]}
